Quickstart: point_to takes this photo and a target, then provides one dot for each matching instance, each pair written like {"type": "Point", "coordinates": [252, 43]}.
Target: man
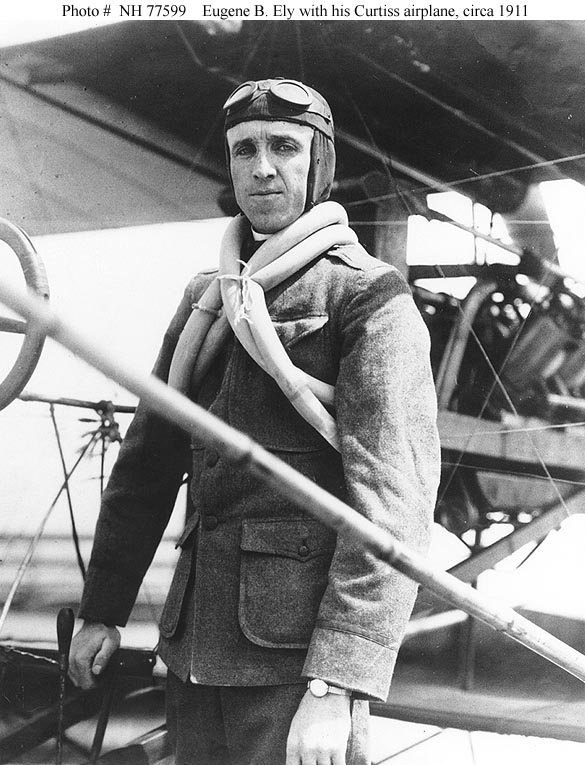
{"type": "Point", "coordinates": [276, 633]}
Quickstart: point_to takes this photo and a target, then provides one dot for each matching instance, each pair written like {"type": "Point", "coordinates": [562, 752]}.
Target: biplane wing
{"type": "Point", "coordinates": [485, 107]}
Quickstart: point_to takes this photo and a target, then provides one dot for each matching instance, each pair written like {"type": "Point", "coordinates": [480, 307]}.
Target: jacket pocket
{"type": "Point", "coordinates": [173, 607]}
{"type": "Point", "coordinates": [291, 331]}
{"type": "Point", "coordinates": [284, 568]}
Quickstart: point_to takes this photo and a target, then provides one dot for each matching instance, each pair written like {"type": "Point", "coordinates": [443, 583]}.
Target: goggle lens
{"type": "Point", "coordinates": [292, 93]}
{"type": "Point", "coordinates": [241, 95]}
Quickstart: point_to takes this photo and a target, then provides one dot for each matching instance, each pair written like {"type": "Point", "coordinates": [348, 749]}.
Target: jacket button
{"type": "Point", "coordinates": [212, 458]}
{"type": "Point", "coordinates": [303, 550]}
{"type": "Point", "coordinates": [210, 522]}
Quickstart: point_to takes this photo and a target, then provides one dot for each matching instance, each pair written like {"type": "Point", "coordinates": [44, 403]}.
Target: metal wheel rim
{"type": "Point", "coordinates": [36, 279]}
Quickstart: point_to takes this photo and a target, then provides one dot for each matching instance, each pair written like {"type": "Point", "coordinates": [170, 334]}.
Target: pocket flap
{"type": "Point", "coordinates": [293, 330]}
{"type": "Point", "coordinates": [301, 539]}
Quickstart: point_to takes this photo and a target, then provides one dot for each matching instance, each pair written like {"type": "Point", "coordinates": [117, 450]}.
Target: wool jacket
{"type": "Point", "coordinates": [262, 592]}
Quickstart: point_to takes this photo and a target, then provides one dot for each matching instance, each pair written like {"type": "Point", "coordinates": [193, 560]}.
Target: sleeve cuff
{"type": "Point", "coordinates": [98, 604]}
{"type": "Point", "coordinates": [351, 661]}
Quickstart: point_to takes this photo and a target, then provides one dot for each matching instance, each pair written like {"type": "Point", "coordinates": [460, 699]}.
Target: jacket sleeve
{"type": "Point", "coordinates": [138, 500]}
{"type": "Point", "coordinates": [386, 418]}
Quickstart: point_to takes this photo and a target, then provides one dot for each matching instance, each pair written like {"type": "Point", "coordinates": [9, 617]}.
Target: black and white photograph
{"type": "Point", "coordinates": [292, 384]}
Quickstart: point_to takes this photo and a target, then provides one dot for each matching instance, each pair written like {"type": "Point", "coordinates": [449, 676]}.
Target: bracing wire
{"type": "Point", "coordinates": [476, 178]}
{"type": "Point", "coordinates": [217, 121]}
{"type": "Point", "coordinates": [252, 51]}
{"type": "Point", "coordinates": [299, 44]}
{"type": "Point", "coordinates": [517, 473]}
{"type": "Point", "coordinates": [74, 534]}
{"type": "Point", "coordinates": [531, 429]}
{"type": "Point", "coordinates": [471, 747]}
{"type": "Point", "coordinates": [409, 748]}
{"type": "Point", "coordinates": [22, 569]}
{"type": "Point", "coordinates": [530, 553]}
{"type": "Point", "coordinates": [189, 48]}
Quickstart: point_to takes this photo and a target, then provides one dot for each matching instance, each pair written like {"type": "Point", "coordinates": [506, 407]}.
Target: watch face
{"type": "Point", "coordinates": [318, 687]}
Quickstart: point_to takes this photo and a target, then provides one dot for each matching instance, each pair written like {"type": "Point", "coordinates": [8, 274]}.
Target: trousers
{"type": "Point", "coordinates": [235, 725]}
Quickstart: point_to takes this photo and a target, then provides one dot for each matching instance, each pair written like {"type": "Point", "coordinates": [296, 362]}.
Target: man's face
{"type": "Point", "coordinates": [269, 163]}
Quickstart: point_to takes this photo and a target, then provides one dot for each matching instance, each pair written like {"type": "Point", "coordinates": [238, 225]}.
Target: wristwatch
{"type": "Point", "coordinates": [320, 688]}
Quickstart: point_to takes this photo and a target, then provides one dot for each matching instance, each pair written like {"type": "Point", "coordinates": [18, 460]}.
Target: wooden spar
{"type": "Point", "coordinates": [243, 452]}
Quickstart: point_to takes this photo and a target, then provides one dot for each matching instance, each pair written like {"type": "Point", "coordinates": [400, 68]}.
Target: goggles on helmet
{"type": "Point", "coordinates": [288, 92]}
{"type": "Point", "coordinates": [278, 99]}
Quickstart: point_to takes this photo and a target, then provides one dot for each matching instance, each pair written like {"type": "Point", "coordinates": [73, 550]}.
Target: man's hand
{"type": "Point", "coordinates": [319, 731]}
{"type": "Point", "coordinates": [91, 649]}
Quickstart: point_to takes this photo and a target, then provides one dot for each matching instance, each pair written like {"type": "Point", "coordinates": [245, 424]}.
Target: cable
{"type": "Point", "coordinates": [74, 533]}
{"type": "Point", "coordinates": [37, 537]}
{"type": "Point", "coordinates": [409, 748]}
{"type": "Point", "coordinates": [476, 178]}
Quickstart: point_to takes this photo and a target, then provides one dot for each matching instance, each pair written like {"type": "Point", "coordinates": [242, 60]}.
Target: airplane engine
{"type": "Point", "coordinates": [521, 344]}
{"type": "Point", "coordinates": [511, 352]}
